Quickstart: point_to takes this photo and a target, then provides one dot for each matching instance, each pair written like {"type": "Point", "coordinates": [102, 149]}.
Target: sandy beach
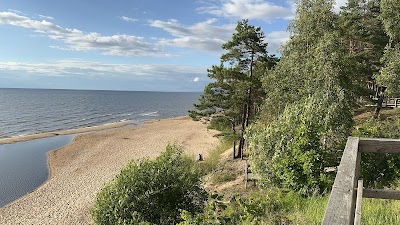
{"type": "Point", "coordinates": [80, 170]}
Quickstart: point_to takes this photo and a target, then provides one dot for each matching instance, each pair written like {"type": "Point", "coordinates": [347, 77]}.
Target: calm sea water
{"type": "Point", "coordinates": [27, 111]}
{"type": "Point", "coordinates": [23, 165]}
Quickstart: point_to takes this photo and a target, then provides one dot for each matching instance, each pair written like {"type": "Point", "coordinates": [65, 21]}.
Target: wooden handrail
{"type": "Point", "coordinates": [341, 209]}
{"type": "Point", "coordinates": [379, 145]}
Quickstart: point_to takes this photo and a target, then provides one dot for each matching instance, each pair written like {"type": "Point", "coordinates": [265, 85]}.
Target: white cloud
{"type": "Point", "coordinates": [46, 17]}
{"type": "Point", "coordinates": [201, 36]}
{"type": "Point", "coordinates": [128, 19]}
{"type": "Point", "coordinates": [248, 9]}
{"type": "Point", "coordinates": [89, 68]}
{"type": "Point", "coordinates": [15, 11]}
{"type": "Point", "coordinates": [197, 79]}
{"type": "Point", "coordinates": [208, 37]}
{"type": "Point", "coordinates": [74, 39]}
{"type": "Point", "coordinates": [276, 39]}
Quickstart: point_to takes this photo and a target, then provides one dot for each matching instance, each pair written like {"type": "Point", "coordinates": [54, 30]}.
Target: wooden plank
{"type": "Point", "coordinates": [341, 205]}
{"type": "Point", "coordinates": [357, 217]}
{"type": "Point", "coordinates": [382, 194]}
{"type": "Point", "coordinates": [379, 145]}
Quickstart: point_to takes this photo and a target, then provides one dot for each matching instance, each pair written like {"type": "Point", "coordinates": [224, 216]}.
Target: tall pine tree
{"type": "Point", "coordinates": [236, 93]}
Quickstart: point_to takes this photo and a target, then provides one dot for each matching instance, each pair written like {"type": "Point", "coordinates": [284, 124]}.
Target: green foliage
{"type": "Point", "coordinates": [152, 192]}
{"type": "Point", "coordinates": [236, 92]}
{"type": "Point", "coordinates": [293, 150]}
{"type": "Point", "coordinates": [220, 123]}
{"type": "Point", "coordinates": [314, 61]}
{"type": "Point", "coordinates": [212, 161]}
{"type": "Point", "coordinates": [264, 207]}
{"type": "Point", "coordinates": [390, 73]}
{"type": "Point", "coordinates": [379, 169]}
{"type": "Point", "coordinates": [391, 18]}
{"type": "Point", "coordinates": [362, 31]}
{"type": "Point", "coordinates": [307, 115]}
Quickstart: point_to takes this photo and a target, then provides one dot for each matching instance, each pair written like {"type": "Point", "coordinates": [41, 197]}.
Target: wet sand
{"type": "Point", "coordinates": [80, 170]}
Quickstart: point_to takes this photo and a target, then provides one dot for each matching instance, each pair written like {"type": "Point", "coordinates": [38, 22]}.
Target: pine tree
{"type": "Point", "coordinates": [235, 95]}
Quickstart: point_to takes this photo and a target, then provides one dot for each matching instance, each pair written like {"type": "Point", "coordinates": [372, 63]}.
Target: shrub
{"type": "Point", "coordinates": [292, 151]}
{"type": "Point", "coordinates": [152, 192]}
{"type": "Point", "coordinates": [260, 208]}
{"type": "Point", "coordinates": [379, 169]}
{"type": "Point", "coordinates": [272, 206]}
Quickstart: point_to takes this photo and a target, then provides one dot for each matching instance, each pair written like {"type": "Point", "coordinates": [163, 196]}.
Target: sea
{"type": "Point", "coordinates": [24, 165]}
{"type": "Point", "coordinates": [28, 111]}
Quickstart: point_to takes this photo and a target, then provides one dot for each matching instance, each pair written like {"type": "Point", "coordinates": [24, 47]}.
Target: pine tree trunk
{"type": "Point", "coordinates": [241, 142]}
{"type": "Point", "coordinates": [246, 113]}
{"type": "Point", "coordinates": [234, 141]}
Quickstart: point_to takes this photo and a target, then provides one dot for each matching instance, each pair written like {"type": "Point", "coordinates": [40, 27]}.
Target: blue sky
{"type": "Point", "coordinates": [139, 45]}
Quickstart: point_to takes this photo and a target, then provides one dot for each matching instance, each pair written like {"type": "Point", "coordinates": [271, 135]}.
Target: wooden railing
{"type": "Point", "coordinates": [391, 102]}
{"type": "Point", "coordinates": [345, 203]}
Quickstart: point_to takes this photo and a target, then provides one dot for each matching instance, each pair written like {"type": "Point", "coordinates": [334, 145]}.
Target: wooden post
{"type": "Point", "coordinates": [357, 218]}
{"type": "Point", "coordinates": [341, 205]}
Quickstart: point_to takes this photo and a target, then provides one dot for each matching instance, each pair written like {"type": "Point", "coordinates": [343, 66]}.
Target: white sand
{"type": "Point", "coordinates": [81, 169]}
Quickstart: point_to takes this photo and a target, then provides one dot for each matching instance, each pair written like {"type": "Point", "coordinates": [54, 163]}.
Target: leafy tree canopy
{"type": "Point", "coordinates": [390, 74]}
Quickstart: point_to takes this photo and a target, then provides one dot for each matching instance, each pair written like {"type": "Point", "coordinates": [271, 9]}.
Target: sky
{"type": "Point", "coordinates": [136, 45]}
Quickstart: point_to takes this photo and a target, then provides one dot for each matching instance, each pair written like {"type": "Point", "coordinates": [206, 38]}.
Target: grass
{"type": "Point", "coordinates": [224, 176]}
{"type": "Point", "coordinates": [380, 212]}
{"type": "Point", "coordinates": [384, 114]}
{"type": "Point", "coordinates": [211, 162]}
{"type": "Point", "coordinates": [304, 210]}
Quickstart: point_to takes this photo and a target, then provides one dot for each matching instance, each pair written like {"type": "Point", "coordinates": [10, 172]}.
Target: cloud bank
{"type": "Point", "coordinates": [64, 68]}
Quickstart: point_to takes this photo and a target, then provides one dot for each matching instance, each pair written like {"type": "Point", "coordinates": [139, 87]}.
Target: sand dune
{"type": "Point", "coordinates": [81, 169]}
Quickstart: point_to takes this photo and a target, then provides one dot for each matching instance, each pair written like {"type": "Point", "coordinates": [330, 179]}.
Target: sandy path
{"type": "Point", "coordinates": [82, 168]}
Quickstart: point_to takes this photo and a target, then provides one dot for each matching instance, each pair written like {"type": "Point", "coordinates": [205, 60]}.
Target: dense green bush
{"type": "Point", "coordinates": [379, 169]}
{"type": "Point", "coordinates": [292, 151]}
{"type": "Point", "coordinates": [152, 191]}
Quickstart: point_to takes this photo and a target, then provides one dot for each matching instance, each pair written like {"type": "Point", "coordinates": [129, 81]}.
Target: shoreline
{"type": "Point", "coordinates": [80, 169]}
{"type": "Point", "coordinates": [78, 131]}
